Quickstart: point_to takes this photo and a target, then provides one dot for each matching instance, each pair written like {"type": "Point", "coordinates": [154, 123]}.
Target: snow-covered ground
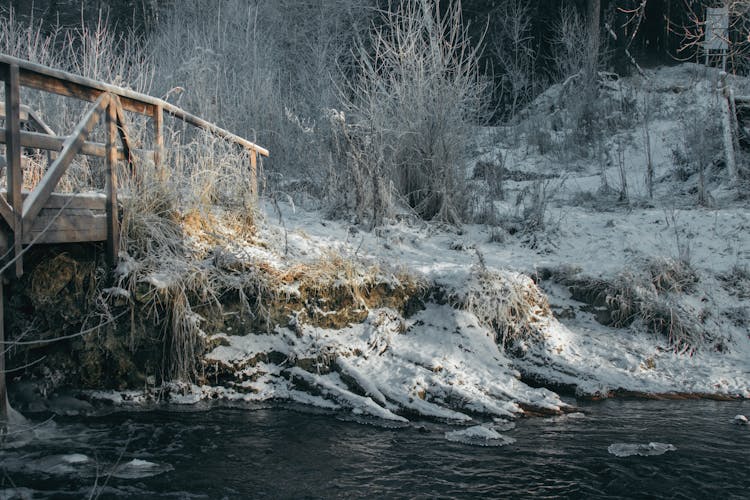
{"type": "Point", "coordinates": [447, 363]}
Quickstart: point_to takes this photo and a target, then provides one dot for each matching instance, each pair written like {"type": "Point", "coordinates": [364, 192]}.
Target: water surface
{"type": "Point", "coordinates": [283, 452]}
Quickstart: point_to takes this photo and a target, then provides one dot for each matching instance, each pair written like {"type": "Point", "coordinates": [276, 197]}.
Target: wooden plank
{"type": "Point", "coordinates": [253, 173]}
{"type": "Point", "coordinates": [36, 200]}
{"type": "Point", "coordinates": [64, 83]}
{"type": "Point", "coordinates": [217, 131]}
{"type": "Point", "coordinates": [158, 135]}
{"type": "Point", "coordinates": [24, 114]}
{"type": "Point", "coordinates": [40, 125]}
{"type": "Point", "coordinates": [3, 389]}
{"type": "Point", "coordinates": [82, 201]}
{"type": "Point", "coordinates": [113, 223]}
{"type": "Point", "coordinates": [70, 88]}
{"type": "Point", "coordinates": [45, 72]}
{"type": "Point", "coordinates": [63, 221]}
{"type": "Point", "coordinates": [6, 211]}
{"type": "Point", "coordinates": [79, 201]}
{"type": "Point", "coordinates": [122, 129]}
{"type": "Point", "coordinates": [13, 159]}
{"type": "Point", "coordinates": [56, 143]}
{"type": "Point", "coordinates": [50, 213]}
{"type": "Point", "coordinates": [78, 235]}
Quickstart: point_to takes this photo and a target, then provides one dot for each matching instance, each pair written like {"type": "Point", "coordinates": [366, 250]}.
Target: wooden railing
{"type": "Point", "coordinates": [20, 210]}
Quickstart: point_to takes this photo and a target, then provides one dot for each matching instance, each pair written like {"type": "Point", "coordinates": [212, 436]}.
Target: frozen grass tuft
{"type": "Point", "coordinates": [509, 303]}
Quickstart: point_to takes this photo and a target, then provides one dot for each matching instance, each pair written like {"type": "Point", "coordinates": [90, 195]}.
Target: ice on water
{"type": "Point", "coordinates": [644, 450]}
{"type": "Point", "coordinates": [479, 435]}
{"type": "Point", "coordinates": [138, 468]}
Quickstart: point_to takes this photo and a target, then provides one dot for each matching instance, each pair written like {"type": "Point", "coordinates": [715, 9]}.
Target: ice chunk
{"type": "Point", "coordinates": [58, 464]}
{"type": "Point", "coordinates": [740, 420]}
{"type": "Point", "coordinates": [75, 458]}
{"type": "Point", "coordinates": [479, 436]}
{"type": "Point", "coordinates": [137, 468]}
{"type": "Point", "coordinates": [644, 450]}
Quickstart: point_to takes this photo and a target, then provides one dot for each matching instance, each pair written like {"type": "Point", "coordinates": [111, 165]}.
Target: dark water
{"type": "Point", "coordinates": [297, 453]}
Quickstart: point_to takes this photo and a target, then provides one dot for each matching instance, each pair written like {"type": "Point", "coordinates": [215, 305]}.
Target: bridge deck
{"type": "Point", "coordinates": [68, 218]}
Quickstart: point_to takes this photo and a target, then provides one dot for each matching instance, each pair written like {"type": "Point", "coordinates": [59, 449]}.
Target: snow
{"type": "Point", "coordinates": [643, 450]}
{"type": "Point", "coordinates": [446, 363]}
{"type": "Point", "coordinates": [594, 358]}
{"type": "Point", "coordinates": [479, 436]}
{"type": "Point", "coordinates": [440, 363]}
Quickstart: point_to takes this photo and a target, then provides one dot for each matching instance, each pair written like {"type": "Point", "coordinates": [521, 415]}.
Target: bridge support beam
{"type": "Point", "coordinates": [113, 222]}
{"type": "Point", "coordinates": [3, 389]}
{"type": "Point", "coordinates": [13, 159]}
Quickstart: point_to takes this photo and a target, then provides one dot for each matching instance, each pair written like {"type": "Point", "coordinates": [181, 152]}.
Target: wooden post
{"type": "Point", "coordinates": [158, 135]}
{"type": "Point", "coordinates": [3, 389]}
{"type": "Point", "coordinates": [122, 129]}
{"type": "Point", "coordinates": [726, 121]}
{"type": "Point", "coordinates": [254, 173]}
{"type": "Point", "coordinates": [113, 222]}
{"type": "Point", "coordinates": [13, 159]}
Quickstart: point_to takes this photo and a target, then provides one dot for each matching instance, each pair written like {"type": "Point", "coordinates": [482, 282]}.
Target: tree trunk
{"type": "Point", "coordinates": [593, 8]}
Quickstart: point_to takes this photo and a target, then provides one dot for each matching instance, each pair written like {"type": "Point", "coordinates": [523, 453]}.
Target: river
{"type": "Point", "coordinates": [298, 452]}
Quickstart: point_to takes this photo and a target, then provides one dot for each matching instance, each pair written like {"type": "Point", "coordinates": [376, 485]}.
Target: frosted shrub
{"type": "Point", "coordinates": [410, 109]}
{"type": "Point", "coordinates": [264, 70]}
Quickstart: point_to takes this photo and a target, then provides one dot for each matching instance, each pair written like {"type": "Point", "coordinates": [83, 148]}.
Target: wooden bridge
{"type": "Point", "coordinates": [43, 216]}
{"type": "Point", "coordinates": [33, 217]}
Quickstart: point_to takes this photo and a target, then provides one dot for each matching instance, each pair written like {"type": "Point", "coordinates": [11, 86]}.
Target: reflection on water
{"type": "Point", "coordinates": [297, 452]}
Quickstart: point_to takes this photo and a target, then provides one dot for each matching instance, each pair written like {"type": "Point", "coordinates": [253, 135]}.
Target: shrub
{"type": "Point", "coordinates": [409, 113]}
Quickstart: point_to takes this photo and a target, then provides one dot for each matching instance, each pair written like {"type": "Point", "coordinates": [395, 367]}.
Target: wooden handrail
{"type": "Point", "coordinates": [56, 143]}
{"type": "Point", "coordinates": [68, 84]}
{"type": "Point", "coordinates": [22, 214]}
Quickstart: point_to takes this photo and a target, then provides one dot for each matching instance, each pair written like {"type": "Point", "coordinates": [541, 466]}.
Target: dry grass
{"type": "Point", "coordinates": [510, 303]}
{"type": "Point", "coordinates": [656, 296]}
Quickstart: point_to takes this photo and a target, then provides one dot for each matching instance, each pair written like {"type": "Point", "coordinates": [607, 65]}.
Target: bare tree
{"type": "Point", "coordinates": [691, 27]}
{"type": "Point", "coordinates": [593, 14]}
{"type": "Point", "coordinates": [513, 48]}
{"type": "Point", "coordinates": [411, 109]}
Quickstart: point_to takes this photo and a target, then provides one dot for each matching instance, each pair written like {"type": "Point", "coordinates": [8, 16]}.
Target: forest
{"type": "Point", "coordinates": [280, 73]}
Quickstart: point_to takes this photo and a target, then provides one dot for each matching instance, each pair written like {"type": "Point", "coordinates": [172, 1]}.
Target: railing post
{"type": "Point", "coordinates": [158, 135]}
{"type": "Point", "coordinates": [254, 173]}
{"type": "Point", "coordinates": [113, 222]}
{"type": "Point", "coordinates": [3, 390]}
{"type": "Point", "coordinates": [13, 156]}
